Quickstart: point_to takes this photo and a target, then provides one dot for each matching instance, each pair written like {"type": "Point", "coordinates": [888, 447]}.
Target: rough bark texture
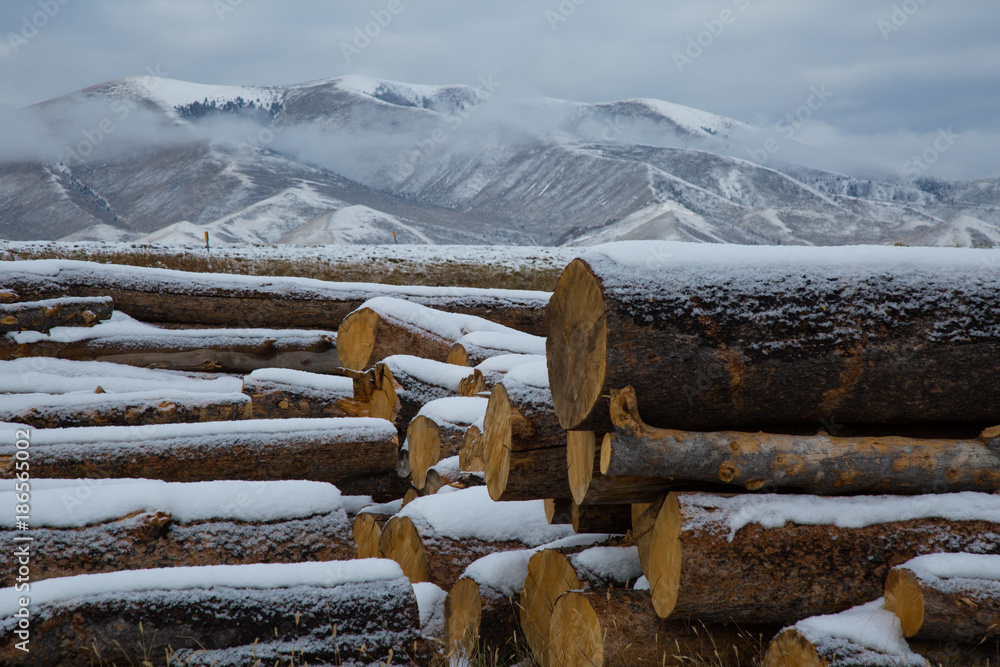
{"type": "Point", "coordinates": [816, 464]}
{"type": "Point", "coordinates": [190, 298]}
{"type": "Point", "coordinates": [153, 539]}
{"type": "Point", "coordinates": [224, 626]}
{"type": "Point", "coordinates": [280, 400]}
{"type": "Point", "coordinates": [126, 410]}
{"type": "Point", "coordinates": [963, 610]}
{"type": "Point", "coordinates": [51, 313]}
{"type": "Point", "coordinates": [618, 628]}
{"type": "Point", "coordinates": [773, 345]}
{"type": "Point", "coordinates": [615, 519]}
{"type": "Point", "coordinates": [8, 296]}
{"type": "Point", "coordinates": [780, 575]}
{"type": "Point", "coordinates": [316, 353]}
{"type": "Point", "coordinates": [478, 619]}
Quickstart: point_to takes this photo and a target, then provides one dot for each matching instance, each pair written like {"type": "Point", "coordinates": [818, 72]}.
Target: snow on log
{"type": "Point", "coordinates": [383, 327]}
{"type": "Point", "coordinates": [51, 313]}
{"type": "Point", "coordinates": [434, 538]}
{"type": "Point", "coordinates": [778, 547]}
{"type": "Point", "coordinates": [362, 612]}
{"type": "Point", "coordinates": [8, 296]}
{"type": "Point", "coordinates": [476, 347]}
{"type": "Point", "coordinates": [419, 381]}
{"type": "Point", "coordinates": [447, 472]}
{"type": "Point", "coordinates": [357, 454]}
{"type": "Point", "coordinates": [60, 376]}
{"type": "Point", "coordinates": [131, 409]}
{"type": "Point", "coordinates": [815, 464]}
{"type": "Point", "coordinates": [281, 393]}
{"type": "Point", "coordinates": [715, 337]}
{"type": "Point", "coordinates": [182, 297]}
{"type": "Point", "coordinates": [437, 432]}
{"type": "Point", "coordinates": [88, 526]}
{"type": "Point", "coordinates": [126, 341]}
{"type": "Point", "coordinates": [617, 627]}
{"type": "Point", "coordinates": [948, 597]}
{"type": "Point", "coordinates": [863, 635]}
{"type": "Point", "coordinates": [524, 448]}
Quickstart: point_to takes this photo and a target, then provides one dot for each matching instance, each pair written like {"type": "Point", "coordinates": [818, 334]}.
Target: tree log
{"type": "Point", "coordinates": [448, 473]}
{"type": "Point", "coordinates": [954, 597]}
{"type": "Point", "coordinates": [559, 510]}
{"type": "Point", "coordinates": [470, 454]}
{"type": "Point", "coordinates": [51, 313]}
{"type": "Point", "coordinates": [418, 382]}
{"type": "Point", "coordinates": [618, 627]}
{"type": "Point", "coordinates": [615, 519]}
{"type": "Point", "coordinates": [181, 297]}
{"type": "Point", "coordinates": [474, 348]}
{"type": "Point", "coordinates": [438, 431]}
{"type": "Point", "coordinates": [816, 464]}
{"type": "Point", "coordinates": [8, 296]}
{"type": "Point", "coordinates": [776, 336]}
{"type": "Point", "coordinates": [590, 486]}
{"type": "Point", "coordinates": [131, 409]}
{"type": "Point", "coordinates": [358, 455]}
{"type": "Point", "coordinates": [284, 394]}
{"type": "Point", "coordinates": [524, 448]}
{"type": "Point", "coordinates": [701, 543]}
{"type": "Point", "coordinates": [480, 619]}
{"type": "Point", "coordinates": [384, 327]}
{"type": "Point", "coordinates": [367, 531]}
{"type": "Point", "coordinates": [324, 612]}
{"type": "Point", "coordinates": [226, 350]}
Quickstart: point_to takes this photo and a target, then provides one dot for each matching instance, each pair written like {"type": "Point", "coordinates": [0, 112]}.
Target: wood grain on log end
{"type": "Point", "coordinates": [457, 355]}
{"type": "Point", "coordinates": [463, 610]}
{"type": "Point", "coordinates": [472, 385]}
{"type": "Point", "coordinates": [401, 542]}
{"type": "Point", "coordinates": [576, 344]}
{"type": "Point", "coordinates": [470, 454]}
{"type": "Point", "coordinates": [367, 531]}
{"type": "Point", "coordinates": [791, 649]}
{"type": "Point", "coordinates": [550, 574]}
{"type": "Point", "coordinates": [664, 557]}
{"type": "Point", "coordinates": [904, 598]}
{"type": "Point", "coordinates": [575, 636]}
{"type": "Point", "coordinates": [424, 441]}
{"type": "Point", "coordinates": [356, 338]}
{"type": "Point", "coordinates": [410, 495]}
{"type": "Point", "coordinates": [559, 511]}
{"type": "Point", "coordinates": [497, 434]}
{"type": "Point", "coordinates": [581, 449]}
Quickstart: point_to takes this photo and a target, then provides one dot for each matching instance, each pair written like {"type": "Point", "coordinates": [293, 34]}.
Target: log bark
{"type": "Point", "coordinates": [180, 297]}
{"type": "Point", "coordinates": [775, 339]}
{"type": "Point", "coordinates": [955, 608]}
{"type": "Point", "coordinates": [223, 625]}
{"type": "Point", "coordinates": [51, 313]}
{"type": "Point", "coordinates": [618, 627]}
{"type": "Point", "coordinates": [615, 519]}
{"type": "Point", "coordinates": [590, 486]}
{"type": "Point", "coordinates": [693, 556]}
{"type": "Point", "coordinates": [814, 464]}
{"type": "Point", "coordinates": [524, 448]}
{"type": "Point", "coordinates": [476, 347]}
{"type": "Point", "coordinates": [130, 409]}
{"type": "Point", "coordinates": [313, 396]}
{"type": "Point", "coordinates": [384, 327]}
{"type": "Point", "coordinates": [438, 431]}
{"type": "Point", "coordinates": [559, 511]}
{"type": "Point", "coordinates": [358, 456]}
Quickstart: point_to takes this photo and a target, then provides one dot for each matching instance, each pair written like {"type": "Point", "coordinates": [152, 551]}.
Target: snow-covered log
{"type": "Point", "coordinates": [417, 381]}
{"type": "Point", "coordinates": [524, 448]}
{"type": "Point", "coordinates": [50, 313]}
{"type": "Point", "coordinates": [281, 393]}
{"type": "Point", "coordinates": [361, 612]}
{"type": "Point", "coordinates": [447, 472]}
{"type": "Point", "coordinates": [816, 464]}
{"type": "Point", "coordinates": [383, 327]}
{"type": "Point", "coordinates": [863, 635]}
{"type": "Point", "coordinates": [60, 376]}
{"type": "Point", "coordinates": [476, 347]}
{"type": "Point", "coordinates": [181, 297]}
{"type": "Point", "coordinates": [947, 597]}
{"type": "Point", "coordinates": [102, 525]}
{"type": "Point", "coordinates": [434, 538]}
{"type": "Point", "coordinates": [126, 341]}
{"type": "Point", "coordinates": [438, 431]}
{"type": "Point", "coordinates": [715, 337]}
{"type": "Point", "coordinates": [790, 556]}
{"type": "Point", "coordinates": [357, 454]}
{"type": "Point", "coordinates": [8, 295]}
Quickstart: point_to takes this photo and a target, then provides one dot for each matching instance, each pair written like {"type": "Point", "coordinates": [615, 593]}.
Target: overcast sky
{"type": "Point", "coordinates": [903, 69]}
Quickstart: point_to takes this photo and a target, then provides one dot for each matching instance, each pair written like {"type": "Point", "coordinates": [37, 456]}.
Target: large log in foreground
{"type": "Point", "coordinates": [778, 548]}
{"type": "Point", "coordinates": [357, 454]}
{"type": "Point", "coordinates": [947, 597]}
{"type": "Point", "coordinates": [814, 464]}
{"type": "Point", "coordinates": [715, 337]}
{"type": "Point", "coordinates": [90, 526]}
{"type": "Point", "coordinates": [182, 297]}
{"type": "Point", "coordinates": [51, 313]}
{"type": "Point", "coordinates": [362, 611]}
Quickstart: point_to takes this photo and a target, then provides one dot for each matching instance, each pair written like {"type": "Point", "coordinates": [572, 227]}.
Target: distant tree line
{"type": "Point", "coordinates": [253, 109]}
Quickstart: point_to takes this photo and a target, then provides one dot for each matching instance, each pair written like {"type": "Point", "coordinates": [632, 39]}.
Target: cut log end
{"type": "Point", "coordinates": [463, 614]}
{"type": "Point", "coordinates": [472, 385]}
{"type": "Point", "coordinates": [576, 344]}
{"type": "Point", "coordinates": [457, 355]}
{"type": "Point", "coordinates": [575, 632]}
{"type": "Point", "coordinates": [470, 455]}
{"type": "Point", "coordinates": [559, 511]}
{"type": "Point", "coordinates": [550, 574]}
{"type": "Point", "coordinates": [401, 542]}
{"type": "Point", "coordinates": [356, 338]}
{"type": "Point", "coordinates": [424, 440]}
{"type": "Point", "coordinates": [497, 433]}
{"type": "Point", "coordinates": [580, 451]}
{"type": "Point", "coordinates": [791, 649]}
{"type": "Point", "coordinates": [664, 557]}
{"type": "Point", "coordinates": [904, 598]}
{"type": "Point", "coordinates": [367, 532]}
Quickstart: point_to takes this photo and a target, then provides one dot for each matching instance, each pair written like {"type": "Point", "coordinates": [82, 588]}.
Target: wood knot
{"type": "Point", "coordinates": [727, 472]}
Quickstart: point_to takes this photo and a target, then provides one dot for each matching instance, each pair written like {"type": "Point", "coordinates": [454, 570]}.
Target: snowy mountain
{"type": "Point", "coordinates": [352, 160]}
